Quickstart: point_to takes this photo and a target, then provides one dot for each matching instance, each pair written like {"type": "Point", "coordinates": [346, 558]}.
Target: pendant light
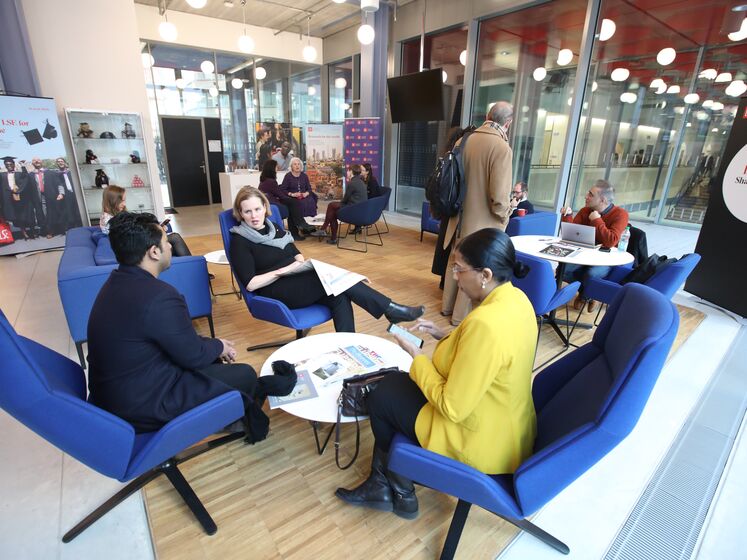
{"type": "Point", "coordinates": [366, 33]}
{"type": "Point", "coordinates": [166, 29]}
{"type": "Point", "coordinates": [246, 43]}
{"type": "Point", "coordinates": [309, 52]}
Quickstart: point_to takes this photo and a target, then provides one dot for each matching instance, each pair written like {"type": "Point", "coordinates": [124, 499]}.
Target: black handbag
{"type": "Point", "coordinates": [352, 402]}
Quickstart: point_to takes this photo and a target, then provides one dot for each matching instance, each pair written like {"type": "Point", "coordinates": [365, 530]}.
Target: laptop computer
{"type": "Point", "coordinates": [578, 235]}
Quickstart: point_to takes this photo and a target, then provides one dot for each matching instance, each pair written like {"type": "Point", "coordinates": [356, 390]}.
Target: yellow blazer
{"type": "Point", "coordinates": [478, 385]}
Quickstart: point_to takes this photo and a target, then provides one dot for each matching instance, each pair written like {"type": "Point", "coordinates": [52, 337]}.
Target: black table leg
{"type": "Point", "coordinates": [315, 426]}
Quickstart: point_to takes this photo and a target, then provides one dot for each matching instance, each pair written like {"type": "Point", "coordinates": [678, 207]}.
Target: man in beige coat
{"type": "Point", "coordinates": [487, 167]}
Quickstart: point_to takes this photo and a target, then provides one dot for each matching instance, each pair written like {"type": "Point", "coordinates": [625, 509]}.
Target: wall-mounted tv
{"type": "Point", "coordinates": [416, 97]}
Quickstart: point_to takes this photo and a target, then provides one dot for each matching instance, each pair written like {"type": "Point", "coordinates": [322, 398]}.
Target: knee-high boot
{"type": "Point", "coordinates": [404, 500]}
{"type": "Point", "coordinates": [375, 492]}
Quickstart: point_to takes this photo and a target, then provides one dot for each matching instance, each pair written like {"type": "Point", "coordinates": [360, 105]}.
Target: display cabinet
{"type": "Point", "coordinates": [109, 149]}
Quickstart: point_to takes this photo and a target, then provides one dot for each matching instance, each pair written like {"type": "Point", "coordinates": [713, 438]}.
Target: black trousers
{"type": "Point", "coordinates": [393, 407]}
{"type": "Point", "coordinates": [178, 245]}
{"type": "Point", "coordinates": [302, 290]}
{"type": "Point", "coordinates": [295, 214]}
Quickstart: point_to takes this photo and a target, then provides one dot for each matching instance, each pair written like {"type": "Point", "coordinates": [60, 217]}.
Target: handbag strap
{"type": "Point", "coordinates": [337, 438]}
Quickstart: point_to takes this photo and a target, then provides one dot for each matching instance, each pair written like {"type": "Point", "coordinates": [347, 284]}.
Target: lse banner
{"type": "Point", "coordinates": [721, 275]}
{"type": "Point", "coordinates": [324, 164]}
{"type": "Point", "coordinates": [38, 199]}
{"type": "Point", "coordinates": [363, 143]}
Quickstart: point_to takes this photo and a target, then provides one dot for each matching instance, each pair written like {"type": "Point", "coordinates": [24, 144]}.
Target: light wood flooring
{"type": "Point", "coordinates": [276, 499]}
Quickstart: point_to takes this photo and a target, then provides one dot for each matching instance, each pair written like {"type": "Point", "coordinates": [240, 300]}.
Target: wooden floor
{"type": "Point", "coordinates": [276, 499]}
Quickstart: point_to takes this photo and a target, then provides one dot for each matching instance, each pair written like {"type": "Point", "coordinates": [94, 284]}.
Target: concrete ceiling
{"type": "Point", "coordinates": [327, 17]}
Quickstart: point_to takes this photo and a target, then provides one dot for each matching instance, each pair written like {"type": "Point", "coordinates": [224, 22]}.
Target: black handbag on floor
{"type": "Point", "coordinates": [352, 402]}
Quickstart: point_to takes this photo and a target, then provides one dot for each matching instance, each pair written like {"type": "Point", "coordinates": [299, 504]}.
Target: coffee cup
{"type": "Point", "coordinates": [521, 212]}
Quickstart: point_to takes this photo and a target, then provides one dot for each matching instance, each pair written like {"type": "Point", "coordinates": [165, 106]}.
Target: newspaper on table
{"type": "Point", "coordinates": [334, 366]}
{"type": "Point", "coordinates": [560, 249]}
{"type": "Point", "coordinates": [303, 390]}
{"type": "Point", "coordinates": [334, 279]}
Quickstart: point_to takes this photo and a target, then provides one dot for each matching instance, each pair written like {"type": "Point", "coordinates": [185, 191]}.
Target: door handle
{"type": "Point", "coordinates": [202, 166]}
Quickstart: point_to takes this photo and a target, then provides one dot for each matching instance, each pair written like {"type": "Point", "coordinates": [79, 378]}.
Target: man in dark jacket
{"type": "Point", "coordinates": [355, 192]}
{"type": "Point", "coordinates": [519, 201]}
{"type": "Point", "coordinates": [147, 363]}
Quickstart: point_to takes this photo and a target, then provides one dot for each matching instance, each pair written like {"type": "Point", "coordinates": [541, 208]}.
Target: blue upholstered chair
{"type": "Point", "coordinates": [272, 310]}
{"type": "Point", "coordinates": [276, 216]}
{"type": "Point", "coordinates": [427, 222]}
{"type": "Point", "coordinates": [540, 287]}
{"type": "Point", "coordinates": [386, 192]}
{"type": "Point", "coordinates": [587, 403]}
{"type": "Point", "coordinates": [537, 223]}
{"type": "Point", "coordinates": [362, 215]}
{"type": "Point", "coordinates": [46, 392]}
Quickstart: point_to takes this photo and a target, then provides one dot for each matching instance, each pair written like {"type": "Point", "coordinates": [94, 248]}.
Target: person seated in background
{"type": "Point", "coordinates": [519, 200]}
{"type": "Point", "coordinates": [372, 185]}
{"type": "Point", "coordinates": [264, 259]}
{"type": "Point", "coordinates": [147, 363]}
{"type": "Point", "coordinates": [264, 146]}
{"type": "Point", "coordinates": [608, 220]}
{"type": "Point", "coordinates": [355, 192]}
{"type": "Point", "coordinates": [113, 202]}
{"type": "Point", "coordinates": [283, 157]}
{"type": "Point", "coordinates": [268, 184]}
{"type": "Point", "coordinates": [296, 184]}
{"type": "Point", "coordinates": [472, 401]}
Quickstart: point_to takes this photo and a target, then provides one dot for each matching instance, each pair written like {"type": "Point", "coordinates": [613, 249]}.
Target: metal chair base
{"type": "Point", "coordinates": [277, 344]}
{"type": "Point", "coordinates": [365, 241]}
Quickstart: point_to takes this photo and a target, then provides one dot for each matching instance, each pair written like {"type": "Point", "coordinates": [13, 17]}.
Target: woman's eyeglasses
{"type": "Point", "coordinates": [456, 269]}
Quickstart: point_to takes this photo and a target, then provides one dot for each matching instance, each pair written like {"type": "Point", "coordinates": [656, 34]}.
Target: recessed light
{"type": "Point", "coordinates": [505, 53]}
{"type": "Point", "coordinates": [739, 8]}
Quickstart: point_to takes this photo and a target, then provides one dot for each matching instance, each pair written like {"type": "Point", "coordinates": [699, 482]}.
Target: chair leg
{"type": "Point", "coordinates": [596, 319]}
{"type": "Point", "coordinates": [455, 530]}
{"type": "Point", "coordinates": [421, 235]}
{"type": "Point", "coordinates": [81, 356]}
{"type": "Point", "coordinates": [212, 326]}
{"type": "Point", "coordinates": [279, 343]}
{"type": "Point", "coordinates": [529, 527]}
{"type": "Point", "coordinates": [190, 498]}
{"type": "Point", "coordinates": [383, 217]}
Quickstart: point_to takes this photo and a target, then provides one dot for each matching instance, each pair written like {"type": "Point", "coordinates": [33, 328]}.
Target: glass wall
{"type": "Point", "coordinates": [340, 90]}
{"type": "Point", "coordinates": [420, 143]}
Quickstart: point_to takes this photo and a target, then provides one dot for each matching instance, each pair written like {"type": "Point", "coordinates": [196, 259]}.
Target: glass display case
{"type": "Point", "coordinates": [109, 149]}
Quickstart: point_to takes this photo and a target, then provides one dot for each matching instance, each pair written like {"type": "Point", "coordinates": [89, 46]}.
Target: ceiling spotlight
{"type": "Point", "coordinates": [369, 5]}
{"type": "Point", "coordinates": [736, 88]}
{"type": "Point", "coordinates": [311, 91]}
{"type": "Point", "coordinates": [723, 77]}
{"type": "Point", "coordinates": [714, 130]}
{"type": "Point", "coordinates": [463, 58]}
{"type": "Point", "coordinates": [338, 1]}
{"type": "Point", "coordinates": [228, 3]}
{"type": "Point", "coordinates": [691, 98]}
{"type": "Point", "coordinates": [539, 73]}
{"type": "Point", "coordinates": [708, 103]}
{"type": "Point", "coordinates": [197, 4]}
{"type": "Point", "coordinates": [656, 83]}
{"type": "Point", "coordinates": [594, 86]}
{"type": "Point", "coordinates": [309, 53]}
{"type": "Point", "coordinates": [181, 83]}
{"type": "Point", "coordinates": [444, 76]}
{"type": "Point", "coordinates": [207, 67]}
{"type": "Point", "coordinates": [505, 53]}
{"type": "Point", "coordinates": [717, 106]}
{"type": "Point", "coordinates": [565, 56]}
{"type": "Point", "coordinates": [167, 31]}
{"type": "Point", "coordinates": [607, 30]}
{"type": "Point", "coordinates": [236, 83]}
{"type": "Point", "coordinates": [366, 34]}
{"type": "Point", "coordinates": [147, 59]}
{"type": "Point", "coordinates": [213, 91]}
{"type": "Point", "coordinates": [708, 74]}
{"type": "Point", "coordinates": [688, 125]}
{"type": "Point", "coordinates": [628, 97]}
{"type": "Point", "coordinates": [666, 56]}
{"type": "Point", "coordinates": [341, 83]}
{"type": "Point", "coordinates": [673, 89]}
{"type": "Point", "coordinates": [620, 74]}
{"type": "Point", "coordinates": [260, 73]}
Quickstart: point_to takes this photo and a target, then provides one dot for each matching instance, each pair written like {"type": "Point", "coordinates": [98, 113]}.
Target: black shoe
{"type": "Point", "coordinates": [211, 276]}
{"type": "Point", "coordinates": [298, 236]}
{"type": "Point", "coordinates": [332, 241]}
{"type": "Point", "coordinates": [356, 230]}
{"type": "Point", "coordinates": [308, 229]}
{"type": "Point", "coordinates": [398, 313]}
{"type": "Point", "coordinates": [404, 500]}
{"type": "Point", "coordinates": [374, 492]}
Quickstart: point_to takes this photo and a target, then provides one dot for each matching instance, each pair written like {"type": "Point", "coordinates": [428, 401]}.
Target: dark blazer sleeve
{"type": "Point", "coordinates": [167, 322]}
{"type": "Point", "coordinates": [242, 259]}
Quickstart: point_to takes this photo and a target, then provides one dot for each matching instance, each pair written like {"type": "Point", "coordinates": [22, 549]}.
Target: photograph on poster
{"type": "Point", "coordinates": [38, 196]}
{"type": "Point", "coordinates": [278, 141]}
{"type": "Point", "coordinates": [324, 164]}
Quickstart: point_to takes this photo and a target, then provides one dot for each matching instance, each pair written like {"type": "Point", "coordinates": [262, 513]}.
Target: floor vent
{"type": "Point", "coordinates": [666, 522]}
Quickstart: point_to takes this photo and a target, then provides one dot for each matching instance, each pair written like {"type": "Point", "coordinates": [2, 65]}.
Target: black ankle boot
{"type": "Point", "coordinates": [375, 492]}
{"type": "Point", "coordinates": [404, 500]}
{"type": "Point", "coordinates": [397, 313]}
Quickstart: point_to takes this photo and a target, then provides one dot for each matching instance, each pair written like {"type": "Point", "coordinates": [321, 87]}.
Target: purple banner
{"type": "Point", "coordinates": [363, 143]}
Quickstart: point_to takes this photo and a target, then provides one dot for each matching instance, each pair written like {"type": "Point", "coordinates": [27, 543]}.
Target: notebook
{"type": "Point", "coordinates": [581, 236]}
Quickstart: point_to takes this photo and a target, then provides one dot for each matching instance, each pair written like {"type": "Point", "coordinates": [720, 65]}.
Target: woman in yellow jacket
{"type": "Point", "coordinates": [472, 401]}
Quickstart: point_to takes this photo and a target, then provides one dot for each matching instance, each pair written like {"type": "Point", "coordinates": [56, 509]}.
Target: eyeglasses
{"type": "Point", "coordinates": [456, 269]}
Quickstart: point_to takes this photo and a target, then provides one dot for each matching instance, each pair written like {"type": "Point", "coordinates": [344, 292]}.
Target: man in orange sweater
{"type": "Point", "coordinates": [609, 221]}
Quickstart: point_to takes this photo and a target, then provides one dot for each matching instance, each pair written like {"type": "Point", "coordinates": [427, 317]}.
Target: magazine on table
{"type": "Point", "coordinates": [334, 279]}
{"type": "Point", "coordinates": [334, 366]}
{"type": "Point", "coordinates": [560, 250]}
{"type": "Point", "coordinates": [303, 390]}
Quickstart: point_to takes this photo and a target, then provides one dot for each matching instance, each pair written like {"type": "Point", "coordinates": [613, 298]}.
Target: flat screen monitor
{"type": "Point", "coordinates": [416, 97]}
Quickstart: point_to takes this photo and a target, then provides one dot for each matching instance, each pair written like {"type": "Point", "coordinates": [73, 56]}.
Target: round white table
{"type": "Point", "coordinates": [323, 408]}
{"type": "Point", "coordinates": [219, 257]}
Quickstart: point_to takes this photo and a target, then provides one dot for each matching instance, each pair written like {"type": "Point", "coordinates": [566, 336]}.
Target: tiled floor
{"type": "Point", "coordinates": [43, 493]}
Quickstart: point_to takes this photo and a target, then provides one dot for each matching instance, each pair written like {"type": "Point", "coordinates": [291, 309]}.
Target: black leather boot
{"type": "Point", "coordinates": [375, 492]}
{"type": "Point", "coordinates": [404, 500]}
{"type": "Point", "coordinates": [397, 313]}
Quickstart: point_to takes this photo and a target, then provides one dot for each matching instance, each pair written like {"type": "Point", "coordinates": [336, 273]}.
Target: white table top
{"type": "Point", "coordinates": [324, 407]}
{"type": "Point", "coordinates": [532, 244]}
{"type": "Point", "coordinates": [216, 257]}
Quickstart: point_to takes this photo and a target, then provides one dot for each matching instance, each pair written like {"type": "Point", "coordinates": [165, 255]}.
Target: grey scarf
{"type": "Point", "coordinates": [251, 234]}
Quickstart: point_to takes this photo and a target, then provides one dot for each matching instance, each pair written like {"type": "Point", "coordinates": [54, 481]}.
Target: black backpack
{"type": "Point", "coordinates": [446, 187]}
{"type": "Point", "coordinates": [647, 268]}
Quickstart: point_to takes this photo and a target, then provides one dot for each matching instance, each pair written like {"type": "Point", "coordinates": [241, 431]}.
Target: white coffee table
{"type": "Point", "coordinates": [323, 408]}
{"type": "Point", "coordinates": [219, 257]}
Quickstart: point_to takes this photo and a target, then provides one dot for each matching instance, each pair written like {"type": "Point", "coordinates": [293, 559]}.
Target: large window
{"type": "Point", "coordinates": [340, 90]}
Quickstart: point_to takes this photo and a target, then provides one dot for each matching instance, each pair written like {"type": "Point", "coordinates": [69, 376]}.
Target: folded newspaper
{"type": "Point", "coordinates": [303, 390]}
{"type": "Point", "coordinates": [334, 279]}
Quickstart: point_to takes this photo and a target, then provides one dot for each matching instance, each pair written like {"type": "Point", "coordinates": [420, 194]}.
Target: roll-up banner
{"type": "Point", "coordinates": [721, 275]}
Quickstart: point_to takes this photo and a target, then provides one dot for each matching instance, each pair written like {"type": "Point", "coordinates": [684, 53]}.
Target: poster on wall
{"type": "Point", "coordinates": [38, 199]}
{"type": "Point", "coordinates": [722, 270]}
{"type": "Point", "coordinates": [363, 143]}
{"type": "Point", "coordinates": [270, 138]}
{"type": "Point", "coordinates": [324, 164]}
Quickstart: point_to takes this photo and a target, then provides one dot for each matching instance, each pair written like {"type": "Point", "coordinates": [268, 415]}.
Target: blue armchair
{"type": "Point", "coordinates": [272, 310]}
{"type": "Point", "coordinates": [46, 392]}
{"type": "Point", "coordinates": [86, 264]}
{"type": "Point", "coordinates": [386, 192]}
{"type": "Point", "coordinates": [541, 288]}
{"type": "Point", "coordinates": [427, 222]}
{"type": "Point", "coordinates": [362, 215]}
{"type": "Point", "coordinates": [587, 403]}
{"type": "Point", "coordinates": [538, 223]}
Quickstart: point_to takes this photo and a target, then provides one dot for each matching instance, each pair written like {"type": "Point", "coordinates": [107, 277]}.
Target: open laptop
{"type": "Point", "coordinates": [578, 235]}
